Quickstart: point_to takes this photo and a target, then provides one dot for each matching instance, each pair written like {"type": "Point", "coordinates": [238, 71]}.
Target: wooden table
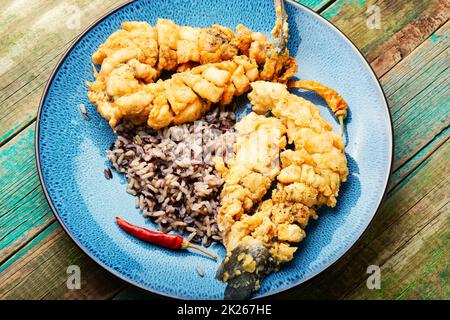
{"type": "Point", "coordinates": [409, 237]}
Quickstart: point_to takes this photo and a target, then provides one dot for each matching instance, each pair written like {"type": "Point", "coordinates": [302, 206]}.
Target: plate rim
{"type": "Point", "coordinates": [91, 256]}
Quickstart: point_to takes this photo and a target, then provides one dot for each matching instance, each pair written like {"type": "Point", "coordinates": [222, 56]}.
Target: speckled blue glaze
{"type": "Point", "coordinates": [71, 152]}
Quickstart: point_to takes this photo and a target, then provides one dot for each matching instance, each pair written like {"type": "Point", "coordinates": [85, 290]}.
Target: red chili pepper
{"type": "Point", "coordinates": [169, 241]}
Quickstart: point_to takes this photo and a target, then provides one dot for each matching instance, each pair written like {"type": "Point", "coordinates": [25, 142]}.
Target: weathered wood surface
{"type": "Point", "coordinates": [30, 46]}
{"type": "Point", "coordinates": [410, 55]}
{"type": "Point", "coordinates": [404, 25]}
{"type": "Point", "coordinates": [40, 271]}
{"type": "Point", "coordinates": [24, 209]}
{"type": "Point", "coordinates": [417, 91]}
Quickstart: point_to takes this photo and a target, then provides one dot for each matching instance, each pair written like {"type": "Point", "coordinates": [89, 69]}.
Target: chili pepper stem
{"type": "Point", "coordinates": [341, 122]}
{"type": "Point", "coordinates": [341, 115]}
{"type": "Point", "coordinates": [186, 244]}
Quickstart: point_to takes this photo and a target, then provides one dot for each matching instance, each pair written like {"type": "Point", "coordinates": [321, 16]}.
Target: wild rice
{"type": "Point", "coordinates": [200, 272]}
{"type": "Point", "coordinates": [170, 172]}
{"type": "Point", "coordinates": [108, 173]}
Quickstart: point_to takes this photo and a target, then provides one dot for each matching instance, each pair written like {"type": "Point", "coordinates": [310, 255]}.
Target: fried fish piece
{"type": "Point", "coordinates": [251, 172]}
{"type": "Point", "coordinates": [185, 97]}
{"type": "Point", "coordinates": [168, 46]}
{"type": "Point", "coordinates": [259, 241]}
{"type": "Point", "coordinates": [213, 63]}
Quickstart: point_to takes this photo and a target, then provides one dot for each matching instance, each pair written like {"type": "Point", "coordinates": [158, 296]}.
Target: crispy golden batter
{"type": "Point", "coordinates": [185, 97]}
{"type": "Point", "coordinates": [137, 40]}
{"type": "Point", "coordinates": [168, 46]}
{"type": "Point", "coordinates": [132, 59]}
{"type": "Point", "coordinates": [249, 175]}
{"type": "Point", "coordinates": [309, 176]}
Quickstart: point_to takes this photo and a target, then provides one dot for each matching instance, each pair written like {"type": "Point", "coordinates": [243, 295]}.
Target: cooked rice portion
{"type": "Point", "coordinates": [170, 172]}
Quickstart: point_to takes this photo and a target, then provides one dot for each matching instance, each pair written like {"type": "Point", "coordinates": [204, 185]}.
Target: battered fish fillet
{"type": "Point", "coordinates": [214, 66]}
{"type": "Point", "coordinates": [169, 47]}
{"type": "Point", "coordinates": [310, 177]}
{"type": "Point", "coordinates": [250, 174]}
{"type": "Point", "coordinates": [185, 97]}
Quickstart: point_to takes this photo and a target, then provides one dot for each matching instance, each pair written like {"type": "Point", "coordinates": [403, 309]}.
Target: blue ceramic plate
{"type": "Point", "coordinates": [71, 152]}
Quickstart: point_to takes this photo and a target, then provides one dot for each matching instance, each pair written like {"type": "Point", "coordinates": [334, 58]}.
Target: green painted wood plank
{"type": "Point", "coordinates": [405, 170]}
{"type": "Point", "coordinates": [404, 25]}
{"type": "Point", "coordinates": [30, 45]}
{"type": "Point", "coordinates": [417, 91]}
{"type": "Point", "coordinates": [403, 42]}
{"type": "Point", "coordinates": [24, 211]}
{"type": "Point", "coordinates": [40, 271]}
{"type": "Point", "coordinates": [40, 237]}
{"type": "Point", "coordinates": [420, 270]}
